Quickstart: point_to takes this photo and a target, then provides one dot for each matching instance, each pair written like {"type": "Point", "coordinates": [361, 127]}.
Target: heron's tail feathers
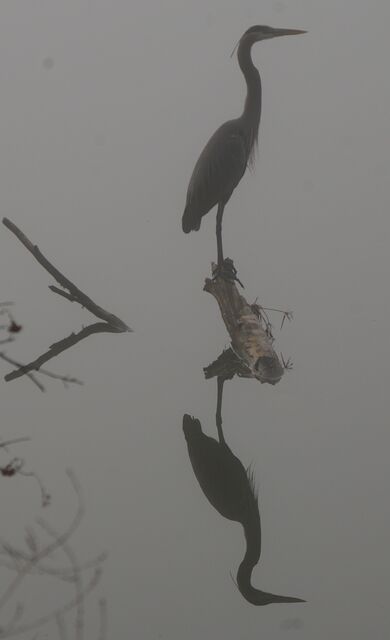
{"type": "Point", "coordinates": [191, 220]}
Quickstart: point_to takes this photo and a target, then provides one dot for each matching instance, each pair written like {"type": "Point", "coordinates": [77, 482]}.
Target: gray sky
{"type": "Point", "coordinates": [105, 108]}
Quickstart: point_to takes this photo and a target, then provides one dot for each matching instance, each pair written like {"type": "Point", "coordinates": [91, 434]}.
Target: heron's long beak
{"type": "Point", "coordinates": [285, 32]}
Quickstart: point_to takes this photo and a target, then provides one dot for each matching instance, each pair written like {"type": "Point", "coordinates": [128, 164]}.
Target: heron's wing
{"type": "Point", "coordinates": [219, 169]}
{"type": "Point", "coordinates": [222, 477]}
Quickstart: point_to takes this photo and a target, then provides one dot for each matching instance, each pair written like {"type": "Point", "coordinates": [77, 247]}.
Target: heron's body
{"type": "Point", "coordinates": [224, 160]}
{"type": "Point", "coordinates": [217, 172]}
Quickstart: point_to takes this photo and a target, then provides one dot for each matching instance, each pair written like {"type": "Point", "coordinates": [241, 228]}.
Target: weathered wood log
{"type": "Point", "coordinates": [249, 339]}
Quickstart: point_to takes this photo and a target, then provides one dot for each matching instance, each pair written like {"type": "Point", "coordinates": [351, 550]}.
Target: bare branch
{"type": "Point", "coordinates": [39, 622]}
{"type": "Point", "coordinates": [21, 369]}
{"type": "Point", "coordinates": [78, 577]}
{"type": "Point", "coordinates": [7, 443]}
{"type": "Point", "coordinates": [7, 340]}
{"type": "Point", "coordinates": [103, 619]}
{"type": "Point", "coordinates": [111, 324]}
{"type": "Point", "coordinates": [61, 625]}
{"type": "Point", "coordinates": [18, 558]}
{"type": "Point", "coordinates": [58, 347]}
{"type": "Point", "coordinates": [32, 560]}
{"type": "Point", "coordinates": [56, 376]}
{"type": "Point", "coordinates": [45, 495]}
{"type": "Point", "coordinates": [48, 549]}
{"type": "Point", "coordinates": [62, 293]}
{"type": "Point", "coordinates": [31, 539]}
{"type": "Point", "coordinates": [78, 295]}
{"type": "Point", "coordinates": [18, 613]}
{"type": "Point", "coordinates": [65, 379]}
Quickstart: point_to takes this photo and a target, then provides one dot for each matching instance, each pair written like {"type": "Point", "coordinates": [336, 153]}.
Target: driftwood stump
{"type": "Point", "coordinates": [249, 339]}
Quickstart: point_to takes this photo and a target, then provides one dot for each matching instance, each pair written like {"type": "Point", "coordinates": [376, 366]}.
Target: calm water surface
{"type": "Point", "coordinates": [104, 112]}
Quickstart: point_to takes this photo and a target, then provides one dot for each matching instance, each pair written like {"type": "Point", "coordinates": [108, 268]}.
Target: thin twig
{"type": "Point", "coordinates": [22, 370]}
{"type": "Point", "coordinates": [287, 315]}
{"type": "Point", "coordinates": [25, 563]}
{"type": "Point", "coordinates": [103, 619]}
{"type": "Point", "coordinates": [62, 628]}
{"type": "Point", "coordinates": [39, 622]}
{"type": "Point", "coordinates": [62, 293]}
{"type": "Point", "coordinates": [19, 609]}
{"type": "Point", "coordinates": [46, 551]}
{"type": "Point", "coordinates": [31, 539]}
{"type": "Point", "coordinates": [287, 364]}
{"type": "Point", "coordinates": [58, 347]}
{"type": "Point", "coordinates": [62, 573]}
{"type": "Point", "coordinates": [45, 495]}
{"type": "Point", "coordinates": [56, 376]}
{"type": "Point", "coordinates": [78, 577]}
{"type": "Point", "coordinates": [7, 443]}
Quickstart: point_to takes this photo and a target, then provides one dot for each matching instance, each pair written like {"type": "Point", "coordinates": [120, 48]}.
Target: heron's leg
{"type": "Point", "coordinates": [218, 414]}
{"type": "Point", "coordinates": [221, 207]}
{"type": "Point", "coordinates": [225, 268]}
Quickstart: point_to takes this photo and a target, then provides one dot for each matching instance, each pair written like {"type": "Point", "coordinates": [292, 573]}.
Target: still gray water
{"type": "Point", "coordinates": [105, 109]}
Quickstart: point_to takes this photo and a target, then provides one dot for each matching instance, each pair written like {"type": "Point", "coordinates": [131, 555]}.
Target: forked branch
{"type": "Point", "coordinates": [110, 324]}
{"type": "Point", "coordinates": [37, 558]}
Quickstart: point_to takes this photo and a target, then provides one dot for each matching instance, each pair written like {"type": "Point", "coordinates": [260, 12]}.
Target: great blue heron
{"type": "Point", "coordinates": [230, 150]}
{"type": "Point", "coordinates": [230, 488]}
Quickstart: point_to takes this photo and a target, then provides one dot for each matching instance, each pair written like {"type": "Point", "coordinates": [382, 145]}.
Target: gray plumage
{"type": "Point", "coordinates": [231, 490]}
{"type": "Point", "coordinates": [224, 160]}
{"type": "Point", "coordinates": [217, 172]}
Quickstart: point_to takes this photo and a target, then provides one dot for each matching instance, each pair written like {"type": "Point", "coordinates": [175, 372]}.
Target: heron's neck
{"type": "Point", "coordinates": [250, 117]}
{"type": "Point", "coordinates": [252, 532]}
{"type": "Point", "coordinates": [252, 556]}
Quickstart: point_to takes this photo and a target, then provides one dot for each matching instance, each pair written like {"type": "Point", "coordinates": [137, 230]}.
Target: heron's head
{"type": "Point", "coordinates": [261, 32]}
{"type": "Point", "coordinates": [191, 427]}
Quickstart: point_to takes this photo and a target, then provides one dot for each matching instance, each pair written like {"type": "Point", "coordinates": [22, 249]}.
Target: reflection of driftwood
{"type": "Point", "coordinates": [249, 339]}
{"type": "Point", "coordinates": [111, 324]}
{"type": "Point", "coordinates": [38, 558]}
{"type": "Point", "coordinates": [226, 366]}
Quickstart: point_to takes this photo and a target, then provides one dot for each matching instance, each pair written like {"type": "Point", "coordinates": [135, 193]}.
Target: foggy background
{"type": "Point", "coordinates": [105, 107]}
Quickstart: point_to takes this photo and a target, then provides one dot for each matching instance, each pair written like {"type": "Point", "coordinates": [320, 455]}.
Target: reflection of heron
{"type": "Point", "coordinates": [231, 490]}
{"type": "Point", "coordinates": [225, 157]}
